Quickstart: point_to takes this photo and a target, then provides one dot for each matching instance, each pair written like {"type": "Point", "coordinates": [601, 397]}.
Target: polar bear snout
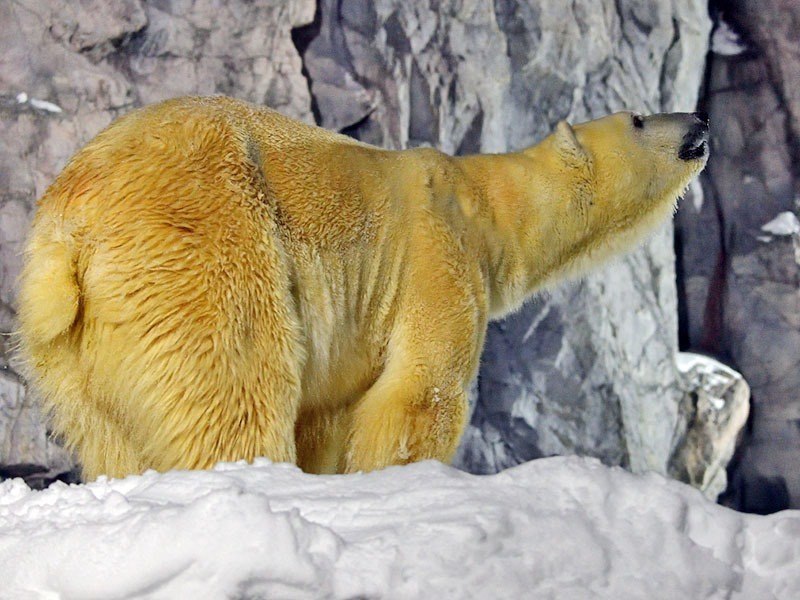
{"type": "Point", "coordinates": [695, 142]}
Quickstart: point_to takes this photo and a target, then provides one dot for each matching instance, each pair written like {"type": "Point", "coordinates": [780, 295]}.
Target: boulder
{"type": "Point", "coordinates": [714, 409]}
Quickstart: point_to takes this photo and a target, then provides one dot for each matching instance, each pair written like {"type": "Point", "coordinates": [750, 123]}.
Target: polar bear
{"type": "Point", "coordinates": [208, 280]}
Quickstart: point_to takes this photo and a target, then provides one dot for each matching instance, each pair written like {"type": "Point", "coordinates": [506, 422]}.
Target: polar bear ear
{"type": "Point", "coordinates": [568, 145]}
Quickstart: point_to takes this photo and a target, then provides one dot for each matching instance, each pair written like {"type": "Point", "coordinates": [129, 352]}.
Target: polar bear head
{"type": "Point", "coordinates": [633, 154]}
{"type": "Point", "coordinates": [623, 174]}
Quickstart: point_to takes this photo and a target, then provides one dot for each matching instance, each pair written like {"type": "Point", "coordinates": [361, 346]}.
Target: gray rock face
{"type": "Point", "coordinates": [588, 368]}
{"type": "Point", "coordinates": [68, 69]}
{"type": "Point", "coordinates": [739, 243]}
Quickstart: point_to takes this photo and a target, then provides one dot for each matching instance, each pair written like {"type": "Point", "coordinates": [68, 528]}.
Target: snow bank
{"type": "Point", "coordinates": [557, 528]}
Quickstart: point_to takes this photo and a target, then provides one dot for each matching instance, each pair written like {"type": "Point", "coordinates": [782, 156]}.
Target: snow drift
{"type": "Point", "coordinates": [556, 528]}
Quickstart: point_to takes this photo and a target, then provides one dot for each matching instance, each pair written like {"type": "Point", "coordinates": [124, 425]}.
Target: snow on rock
{"type": "Point", "coordinates": [555, 528]}
{"type": "Point", "coordinates": [23, 98]}
{"type": "Point", "coordinates": [725, 41]}
{"type": "Point", "coordinates": [786, 223]}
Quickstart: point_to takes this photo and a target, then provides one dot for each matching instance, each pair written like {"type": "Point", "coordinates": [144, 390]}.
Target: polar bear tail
{"type": "Point", "coordinates": [49, 295]}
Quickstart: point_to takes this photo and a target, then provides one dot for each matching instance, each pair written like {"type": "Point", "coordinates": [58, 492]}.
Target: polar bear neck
{"type": "Point", "coordinates": [534, 230]}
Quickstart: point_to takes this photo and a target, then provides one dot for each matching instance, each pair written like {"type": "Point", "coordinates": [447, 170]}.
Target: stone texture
{"type": "Point", "coordinates": [67, 69]}
{"type": "Point", "coordinates": [738, 245]}
{"type": "Point", "coordinates": [714, 408]}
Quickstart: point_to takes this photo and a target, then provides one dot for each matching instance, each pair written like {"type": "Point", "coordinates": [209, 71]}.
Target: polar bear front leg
{"type": "Point", "coordinates": [405, 418]}
{"type": "Point", "coordinates": [417, 408]}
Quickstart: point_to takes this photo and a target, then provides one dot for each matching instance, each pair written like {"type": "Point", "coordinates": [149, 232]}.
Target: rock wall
{"type": "Point", "coordinates": [68, 69]}
{"type": "Point", "coordinates": [588, 368]}
{"type": "Point", "coordinates": [739, 243]}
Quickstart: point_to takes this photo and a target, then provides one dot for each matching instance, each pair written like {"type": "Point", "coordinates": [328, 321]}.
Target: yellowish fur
{"type": "Point", "coordinates": [209, 280]}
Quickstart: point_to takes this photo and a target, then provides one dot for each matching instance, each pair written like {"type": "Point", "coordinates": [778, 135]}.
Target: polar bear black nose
{"type": "Point", "coordinates": [694, 144]}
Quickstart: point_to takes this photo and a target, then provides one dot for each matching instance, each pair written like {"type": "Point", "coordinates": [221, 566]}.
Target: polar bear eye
{"type": "Point", "coordinates": [638, 121]}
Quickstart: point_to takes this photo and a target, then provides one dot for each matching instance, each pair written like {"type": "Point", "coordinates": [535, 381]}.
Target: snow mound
{"type": "Point", "coordinates": [556, 528]}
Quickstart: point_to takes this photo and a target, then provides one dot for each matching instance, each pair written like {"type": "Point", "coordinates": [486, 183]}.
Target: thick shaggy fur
{"type": "Point", "coordinates": [209, 280]}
